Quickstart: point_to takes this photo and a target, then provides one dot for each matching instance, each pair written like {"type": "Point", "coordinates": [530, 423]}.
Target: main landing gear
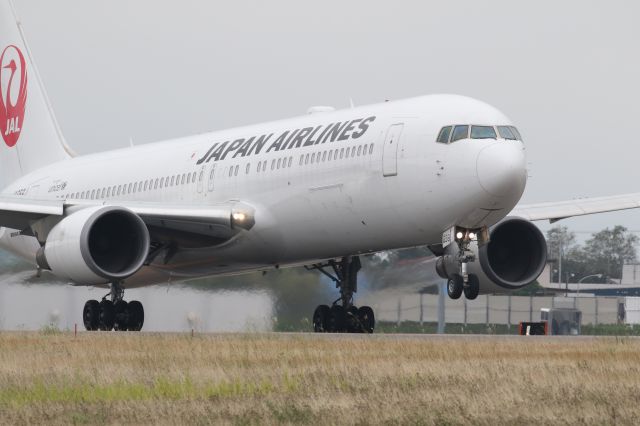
{"type": "Point", "coordinates": [114, 314]}
{"type": "Point", "coordinates": [342, 316]}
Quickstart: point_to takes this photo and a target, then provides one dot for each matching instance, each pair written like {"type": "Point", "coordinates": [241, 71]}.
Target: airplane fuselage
{"type": "Point", "coordinates": [323, 185]}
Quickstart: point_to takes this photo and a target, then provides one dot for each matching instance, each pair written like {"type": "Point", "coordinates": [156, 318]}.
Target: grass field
{"type": "Point", "coordinates": [139, 378]}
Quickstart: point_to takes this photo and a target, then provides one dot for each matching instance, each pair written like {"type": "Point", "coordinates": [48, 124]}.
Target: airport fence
{"type": "Point", "coordinates": [508, 310]}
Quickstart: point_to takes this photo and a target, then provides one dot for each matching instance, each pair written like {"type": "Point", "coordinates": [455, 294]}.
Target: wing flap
{"type": "Point", "coordinates": [19, 213]}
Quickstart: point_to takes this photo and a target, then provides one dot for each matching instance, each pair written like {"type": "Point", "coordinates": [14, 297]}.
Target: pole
{"type": "Point", "coordinates": [531, 308]}
{"type": "Point", "coordinates": [421, 309]}
{"type": "Point", "coordinates": [441, 301]}
{"type": "Point", "coordinates": [399, 310]}
{"type": "Point", "coordinates": [597, 310]}
{"type": "Point", "coordinates": [486, 321]}
{"type": "Point", "coordinates": [509, 313]}
{"type": "Point", "coordinates": [560, 261]}
{"type": "Point", "coordinates": [465, 312]}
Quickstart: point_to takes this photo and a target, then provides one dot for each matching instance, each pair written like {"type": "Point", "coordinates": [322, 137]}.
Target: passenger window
{"type": "Point", "coordinates": [443, 136]}
{"type": "Point", "coordinates": [483, 132]}
{"type": "Point", "coordinates": [506, 133]}
{"type": "Point", "coordinates": [193, 177]}
{"type": "Point", "coordinates": [279, 162]}
{"type": "Point", "coordinates": [371, 149]}
{"type": "Point", "coordinates": [235, 172]}
{"type": "Point", "coordinates": [155, 185]}
{"type": "Point", "coordinates": [313, 157]}
{"type": "Point", "coordinates": [161, 182]}
{"type": "Point", "coordinates": [353, 151]}
{"type": "Point", "coordinates": [330, 155]}
{"type": "Point", "coordinates": [273, 164]}
{"type": "Point", "coordinates": [290, 161]}
{"type": "Point", "coordinates": [247, 168]}
{"type": "Point", "coordinates": [460, 132]}
{"type": "Point", "coordinates": [359, 150]}
{"type": "Point", "coordinates": [108, 192]}
{"type": "Point", "coordinates": [306, 159]}
{"type": "Point", "coordinates": [341, 153]}
{"type": "Point", "coordinates": [173, 179]}
{"type": "Point", "coordinates": [93, 194]}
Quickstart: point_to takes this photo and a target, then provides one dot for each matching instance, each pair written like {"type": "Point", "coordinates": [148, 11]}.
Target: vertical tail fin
{"type": "Point", "coordinates": [29, 131]}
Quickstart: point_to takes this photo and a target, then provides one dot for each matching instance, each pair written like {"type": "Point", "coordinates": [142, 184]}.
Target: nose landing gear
{"type": "Point", "coordinates": [114, 314]}
{"type": "Point", "coordinates": [342, 316]}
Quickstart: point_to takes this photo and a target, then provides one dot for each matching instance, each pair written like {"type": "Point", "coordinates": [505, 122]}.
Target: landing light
{"type": "Point", "coordinates": [239, 217]}
{"type": "Point", "coordinates": [472, 235]}
{"type": "Point", "coordinates": [459, 235]}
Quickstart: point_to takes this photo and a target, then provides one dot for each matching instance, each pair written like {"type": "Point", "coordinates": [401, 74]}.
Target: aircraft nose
{"type": "Point", "coordinates": [501, 169]}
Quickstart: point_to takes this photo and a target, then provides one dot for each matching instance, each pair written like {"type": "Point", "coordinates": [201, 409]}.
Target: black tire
{"type": "Point", "coordinates": [321, 319]}
{"type": "Point", "coordinates": [454, 287]}
{"type": "Point", "coordinates": [367, 319]}
{"type": "Point", "coordinates": [136, 316]}
{"type": "Point", "coordinates": [352, 320]}
{"type": "Point", "coordinates": [107, 315]}
{"type": "Point", "coordinates": [91, 315]}
{"type": "Point", "coordinates": [472, 289]}
{"type": "Point", "coordinates": [121, 315]}
{"type": "Point", "coordinates": [337, 319]}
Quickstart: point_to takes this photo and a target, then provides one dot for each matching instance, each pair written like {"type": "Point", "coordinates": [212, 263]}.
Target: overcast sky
{"type": "Point", "coordinates": [567, 73]}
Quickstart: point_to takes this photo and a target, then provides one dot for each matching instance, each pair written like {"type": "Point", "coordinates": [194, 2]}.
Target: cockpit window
{"type": "Point", "coordinates": [506, 133]}
{"type": "Point", "coordinates": [516, 133]}
{"type": "Point", "coordinates": [460, 132]}
{"type": "Point", "coordinates": [443, 137]}
{"type": "Point", "coordinates": [483, 132]}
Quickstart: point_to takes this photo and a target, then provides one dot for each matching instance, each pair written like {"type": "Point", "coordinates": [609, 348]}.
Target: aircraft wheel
{"type": "Point", "coordinates": [107, 315]}
{"type": "Point", "coordinates": [136, 316]}
{"type": "Point", "coordinates": [321, 319]}
{"type": "Point", "coordinates": [337, 319]}
{"type": "Point", "coordinates": [455, 287]}
{"type": "Point", "coordinates": [367, 319]}
{"type": "Point", "coordinates": [352, 321]}
{"type": "Point", "coordinates": [121, 315]}
{"type": "Point", "coordinates": [472, 288]}
{"type": "Point", "coordinates": [91, 315]}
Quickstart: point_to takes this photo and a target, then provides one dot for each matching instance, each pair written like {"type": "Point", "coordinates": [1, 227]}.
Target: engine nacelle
{"type": "Point", "coordinates": [96, 245]}
{"type": "Point", "coordinates": [514, 258]}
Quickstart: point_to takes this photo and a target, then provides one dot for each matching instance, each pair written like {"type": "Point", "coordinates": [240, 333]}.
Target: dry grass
{"type": "Point", "coordinates": [144, 378]}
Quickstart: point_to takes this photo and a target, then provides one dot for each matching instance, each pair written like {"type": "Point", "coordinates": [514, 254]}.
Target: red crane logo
{"type": "Point", "coordinates": [13, 93]}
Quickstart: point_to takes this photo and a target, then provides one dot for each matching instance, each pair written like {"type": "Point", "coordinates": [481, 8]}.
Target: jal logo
{"type": "Point", "coordinates": [13, 93]}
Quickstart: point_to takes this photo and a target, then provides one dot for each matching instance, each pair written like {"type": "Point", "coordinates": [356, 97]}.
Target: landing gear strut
{"type": "Point", "coordinates": [464, 282]}
{"type": "Point", "coordinates": [113, 313]}
{"type": "Point", "coordinates": [343, 316]}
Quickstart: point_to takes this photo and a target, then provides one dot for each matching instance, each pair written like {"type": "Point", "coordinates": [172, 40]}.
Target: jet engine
{"type": "Point", "coordinates": [96, 245]}
{"type": "Point", "coordinates": [514, 257]}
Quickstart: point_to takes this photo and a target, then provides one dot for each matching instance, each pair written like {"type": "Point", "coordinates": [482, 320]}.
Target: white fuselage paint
{"type": "Point", "coordinates": [402, 196]}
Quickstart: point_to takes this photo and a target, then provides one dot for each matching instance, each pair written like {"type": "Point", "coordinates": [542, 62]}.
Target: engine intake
{"type": "Point", "coordinates": [96, 245]}
{"type": "Point", "coordinates": [515, 256]}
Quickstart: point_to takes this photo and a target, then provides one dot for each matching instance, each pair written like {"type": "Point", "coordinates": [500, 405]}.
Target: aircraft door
{"type": "Point", "coordinates": [201, 179]}
{"type": "Point", "coordinates": [390, 150]}
{"type": "Point", "coordinates": [212, 175]}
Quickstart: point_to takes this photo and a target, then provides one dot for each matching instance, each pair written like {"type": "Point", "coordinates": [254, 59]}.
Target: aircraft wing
{"type": "Point", "coordinates": [555, 211]}
{"type": "Point", "coordinates": [192, 224]}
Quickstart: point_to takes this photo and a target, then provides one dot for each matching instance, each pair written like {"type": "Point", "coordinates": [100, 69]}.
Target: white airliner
{"type": "Point", "coordinates": [318, 190]}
